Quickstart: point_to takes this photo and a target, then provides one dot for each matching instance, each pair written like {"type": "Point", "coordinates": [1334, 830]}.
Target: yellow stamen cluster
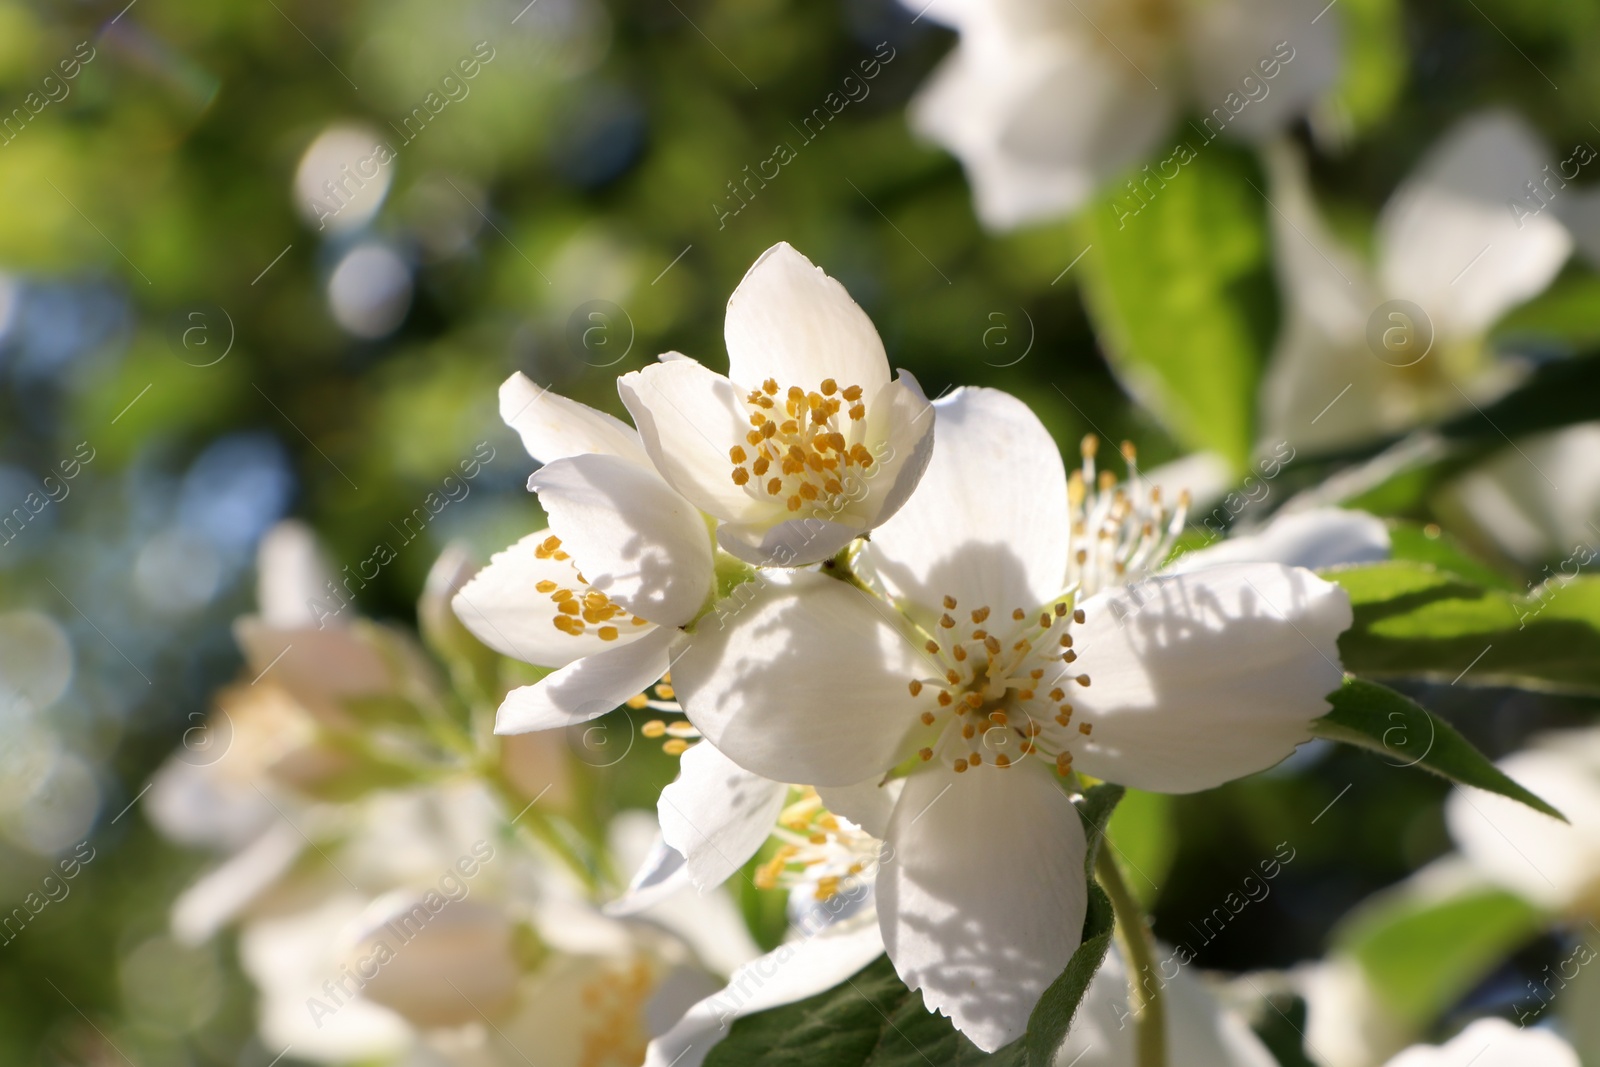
{"type": "Point", "coordinates": [578, 609]}
{"type": "Point", "coordinates": [613, 1033]}
{"type": "Point", "coordinates": [816, 849]}
{"type": "Point", "coordinates": [1001, 694]}
{"type": "Point", "coordinates": [680, 735]}
{"type": "Point", "coordinates": [1120, 531]}
{"type": "Point", "coordinates": [802, 454]}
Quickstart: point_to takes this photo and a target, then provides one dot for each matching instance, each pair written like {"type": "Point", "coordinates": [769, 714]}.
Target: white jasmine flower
{"type": "Point", "coordinates": [1447, 243]}
{"type": "Point", "coordinates": [602, 593]}
{"type": "Point", "coordinates": [1198, 678]}
{"type": "Point", "coordinates": [1044, 102]}
{"type": "Point", "coordinates": [807, 443]}
{"type": "Point", "coordinates": [1492, 1043]}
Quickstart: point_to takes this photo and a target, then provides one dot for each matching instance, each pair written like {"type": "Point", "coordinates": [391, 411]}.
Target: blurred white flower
{"type": "Point", "coordinates": [1552, 863]}
{"type": "Point", "coordinates": [1045, 102]}
{"type": "Point", "coordinates": [1200, 678]}
{"type": "Point", "coordinates": [1538, 500]}
{"type": "Point", "coordinates": [1351, 362]}
{"type": "Point", "coordinates": [807, 443]}
{"type": "Point", "coordinates": [1492, 1043]}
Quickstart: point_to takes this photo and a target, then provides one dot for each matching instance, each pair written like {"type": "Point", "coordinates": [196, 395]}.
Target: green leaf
{"type": "Point", "coordinates": [1375, 717]}
{"type": "Point", "coordinates": [873, 1020]}
{"type": "Point", "coordinates": [1179, 285]}
{"type": "Point", "coordinates": [1431, 545]}
{"type": "Point", "coordinates": [1374, 61]}
{"type": "Point", "coordinates": [1413, 619]}
{"type": "Point", "coordinates": [1421, 949]}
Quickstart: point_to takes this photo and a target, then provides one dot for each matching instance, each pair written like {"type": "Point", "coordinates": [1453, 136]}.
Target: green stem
{"type": "Point", "coordinates": [1139, 956]}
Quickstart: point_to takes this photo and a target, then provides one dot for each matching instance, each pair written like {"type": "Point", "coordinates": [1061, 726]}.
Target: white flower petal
{"type": "Point", "coordinates": [790, 322]}
{"type": "Point", "coordinates": [788, 973]}
{"type": "Point", "coordinates": [662, 874]}
{"type": "Point", "coordinates": [504, 609]}
{"type": "Point", "coordinates": [717, 814]}
{"type": "Point", "coordinates": [633, 537]}
{"type": "Point", "coordinates": [790, 543]}
{"type": "Point", "coordinates": [981, 895]}
{"type": "Point", "coordinates": [901, 418]}
{"type": "Point", "coordinates": [588, 688]}
{"type": "Point", "coordinates": [802, 679]}
{"type": "Point", "coordinates": [688, 418]}
{"type": "Point", "coordinates": [1492, 1043]}
{"type": "Point", "coordinates": [1538, 857]}
{"type": "Point", "coordinates": [868, 804]}
{"type": "Point", "coordinates": [995, 103]}
{"type": "Point", "coordinates": [1229, 42]}
{"type": "Point", "coordinates": [552, 426]}
{"type": "Point", "coordinates": [1197, 679]}
{"type": "Point", "coordinates": [292, 573]}
{"type": "Point", "coordinates": [224, 892]}
{"type": "Point", "coordinates": [1314, 539]}
{"type": "Point", "coordinates": [988, 524]}
{"type": "Point", "coordinates": [1452, 214]}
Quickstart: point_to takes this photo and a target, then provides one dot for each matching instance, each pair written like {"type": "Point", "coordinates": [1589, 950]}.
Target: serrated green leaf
{"type": "Point", "coordinates": [1420, 951]}
{"type": "Point", "coordinates": [873, 1020]}
{"type": "Point", "coordinates": [1375, 717]}
{"type": "Point", "coordinates": [1413, 619]}
{"type": "Point", "coordinates": [1178, 283]}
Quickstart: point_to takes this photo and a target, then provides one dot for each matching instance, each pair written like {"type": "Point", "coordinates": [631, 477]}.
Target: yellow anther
{"type": "Point", "coordinates": [1085, 728]}
{"type": "Point", "coordinates": [999, 718]}
{"type": "Point", "coordinates": [1064, 764]}
{"type": "Point", "coordinates": [969, 731]}
{"type": "Point", "coordinates": [852, 393]}
{"type": "Point", "coordinates": [675, 747]}
{"type": "Point", "coordinates": [974, 758]}
{"type": "Point", "coordinates": [1078, 616]}
{"type": "Point", "coordinates": [926, 754]}
{"type": "Point", "coordinates": [980, 615]}
{"type": "Point", "coordinates": [740, 476]}
{"type": "Point", "coordinates": [953, 677]}
{"type": "Point", "coordinates": [1089, 446]}
{"type": "Point", "coordinates": [928, 718]}
{"type": "Point", "coordinates": [945, 699]}
{"type": "Point", "coordinates": [1130, 455]}
{"type": "Point", "coordinates": [545, 586]}
{"type": "Point", "coordinates": [638, 702]}
{"type": "Point", "coordinates": [737, 454]}
{"type": "Point", "coordinates": [1018, 614]}
{"type": "Point", "coordinates": [1066, 640]}
{"type": "Point", "coordinates": [932, 647]}
{"type": "Point", "coordinates": [959, 765]}
{"type": "Point", "coordinates": [1083, 680]}
{"type": "Point", "coordinates": [1002, 760]}
{"type": "Point", "coordinates": [608, 633]}
{"type": "Point", "coordinates": [915, 687]}
{"type": "Point", "coordinates": [665, 691]}
{"type": "Point", "coordinates": [947, 622]}
{"type": "Point", "coordinates": [1057, 694]}
{"type": "Point", "coordinates": [829, 387]}
{"type": "Point", "coordinates": [959, 652]}
{"type": "Point", "coordinates": [974, 701]}
{"type": "Point", "coordinates": [654, 728]}
{"type": "Point", "coordinates": [1061, 611]}
{"type": "Point", "coordinates": [950, 603]}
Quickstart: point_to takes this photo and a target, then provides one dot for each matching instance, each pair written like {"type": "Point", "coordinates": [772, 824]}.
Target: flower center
{"type": "Point", "coordinates": [819, 851]}
{"type": "Point", "coordinates": [615, 1005]}
{"type": "Point", "coordinates": [1120, 531]}
{"type": "Point", "coordinates": [579, 608]}
{"type": "Point", "coordinates": [1001, 696]}
{"type": "Point", "coordinates": [808, 453]}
